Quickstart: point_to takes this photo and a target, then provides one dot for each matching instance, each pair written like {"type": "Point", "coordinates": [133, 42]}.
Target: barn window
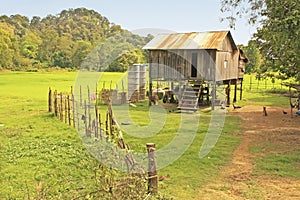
{"type": "Point", "coordinates": [225, 63]}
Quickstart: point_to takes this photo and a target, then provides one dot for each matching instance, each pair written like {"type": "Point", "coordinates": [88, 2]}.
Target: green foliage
{"type": "Point", "coordinates": [127, 59]}
{"type": "Point", "coordinates": [65, 40]}
{"type": "Point", "coordinates": [6, 46]}
{"type": "Point", "coordinates": [276, 37]}
{"type": "Point", "coordinates": [253, 54]}
{"type": "Point", "coordinates": [116, 53]}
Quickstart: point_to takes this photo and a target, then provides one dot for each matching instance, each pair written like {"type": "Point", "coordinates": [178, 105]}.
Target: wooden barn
{"type": "Point", "coordinates": [195, 64]}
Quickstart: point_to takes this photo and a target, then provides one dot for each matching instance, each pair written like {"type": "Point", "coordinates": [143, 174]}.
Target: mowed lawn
{"type": "Point", "coordinates": [37, 150]}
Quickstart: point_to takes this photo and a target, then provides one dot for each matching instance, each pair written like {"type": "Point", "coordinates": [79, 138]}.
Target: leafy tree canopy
{"type": "Point", "coordinates": [66, 40]}
{"type": "Point", "coordinates": [278, 35]}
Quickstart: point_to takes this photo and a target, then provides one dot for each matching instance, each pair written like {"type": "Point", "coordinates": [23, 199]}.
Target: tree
{"type": "Point", "coordinates": [127, 59]}
{"type": "Point", "coordinates": [47, 47]}
{"type": "Point", "coordinates": [82, 49]}
{"type": "Point", "coordinates": [29, 45]}
{"type": "Point", "coordinates": [253, 54]}
{"type": "Point", "coordinates": [279, 32]}
{"type": "Point", "coordinates": [65, 40]}
{"type": "Point", "coordinates": [6, 43]}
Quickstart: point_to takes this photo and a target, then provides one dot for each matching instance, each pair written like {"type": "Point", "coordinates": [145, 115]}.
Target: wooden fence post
{"type": "Point", "coordinates": [265, 111]}
{"type": "Point", "coordinates": [61, 107]}
{"type": "Point", "coordinates": [69, 110]}
{"type": "Point", "coordinates": [85, 119]}
{"type": "Point", "coordinates": [50, 101]}
{"type": "Point", "coordinates": [152, 171]}
{"type": "Point", "coordinates": [100, 126]}
{"type": "Point", "coordinates": [96, 121]}
{"type": "Point", "coordinates": [73, 109]}
{"type": "Point", "coordinates": [55, 103]}
{"type": "Point", "coordinates": [106, 124]}
{"type": "Point", "coordinates": [80, 96]}
{"type": "Point", "coordinates": [66, 110]}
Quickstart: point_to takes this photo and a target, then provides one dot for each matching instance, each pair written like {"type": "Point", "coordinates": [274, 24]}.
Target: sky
{"type": "Point", "coordinates": [142, 16]}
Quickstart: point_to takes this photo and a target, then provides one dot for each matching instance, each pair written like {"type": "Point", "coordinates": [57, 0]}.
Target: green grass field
{"type": "Point", "coordinates": [37, 149]}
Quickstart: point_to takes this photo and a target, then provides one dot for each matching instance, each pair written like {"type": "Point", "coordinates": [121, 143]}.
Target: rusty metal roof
{"type": "Point", "coordinates": [194, 40]}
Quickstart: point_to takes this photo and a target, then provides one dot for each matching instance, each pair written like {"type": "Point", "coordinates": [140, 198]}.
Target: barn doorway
{"type": "Point", "coordinates": [194, 65]}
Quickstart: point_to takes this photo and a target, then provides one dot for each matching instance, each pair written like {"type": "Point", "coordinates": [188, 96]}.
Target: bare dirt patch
{"type": "Point", "coordinates": [277, 133]}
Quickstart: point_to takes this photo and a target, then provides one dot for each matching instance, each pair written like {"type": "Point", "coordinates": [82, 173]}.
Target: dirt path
{"type": "Point", "coordinates": [276, 133]}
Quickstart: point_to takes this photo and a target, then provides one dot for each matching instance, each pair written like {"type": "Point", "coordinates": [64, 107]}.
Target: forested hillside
{"type": "Point", "coordinates": [67, 40]}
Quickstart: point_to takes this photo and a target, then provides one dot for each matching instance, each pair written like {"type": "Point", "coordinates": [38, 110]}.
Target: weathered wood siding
{"type": "Point", "coordinates": [227, 60]}
{"type": "Point", "coordinates": [227, 65]}
{"type": "Point", "coordinates": [177, 64]}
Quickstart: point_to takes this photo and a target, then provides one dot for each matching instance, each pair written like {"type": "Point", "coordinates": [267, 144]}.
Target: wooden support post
{"type": "Point", "coordinates": [213, 103]}
{"type": "Point", "coordinates": [235, 91]}
{"type": "Point", "coordinates": [207, 95]}
{"type": "Point", "coordinates": [150, 78]}
{"type": "Point", "coordinates": [241, 90]}
{"type": "Point", "coordinates": [228, 88]}
{"type": "Point", "coordinates": [50, 101]}
{"type": "Point", "coordinates": [150, 94]}
{"type": "Point", "coordinates": [152, 171]}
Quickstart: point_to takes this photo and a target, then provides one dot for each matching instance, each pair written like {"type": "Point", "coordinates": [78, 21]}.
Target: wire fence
{"type": "Point", "coordinates": [103, 136]}
{"type": "Point", "coordinates": [253, 84]}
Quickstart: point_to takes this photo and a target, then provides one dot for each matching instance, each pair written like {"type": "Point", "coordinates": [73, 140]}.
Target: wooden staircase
{"type": "Point", "coordinates": [189, 98]}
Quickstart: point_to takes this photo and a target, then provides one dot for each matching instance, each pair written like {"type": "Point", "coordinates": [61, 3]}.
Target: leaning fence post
{"type": "Point", "coordinates": [50, 100]}
{"type": "Point", "coordinates": [152, 171]}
